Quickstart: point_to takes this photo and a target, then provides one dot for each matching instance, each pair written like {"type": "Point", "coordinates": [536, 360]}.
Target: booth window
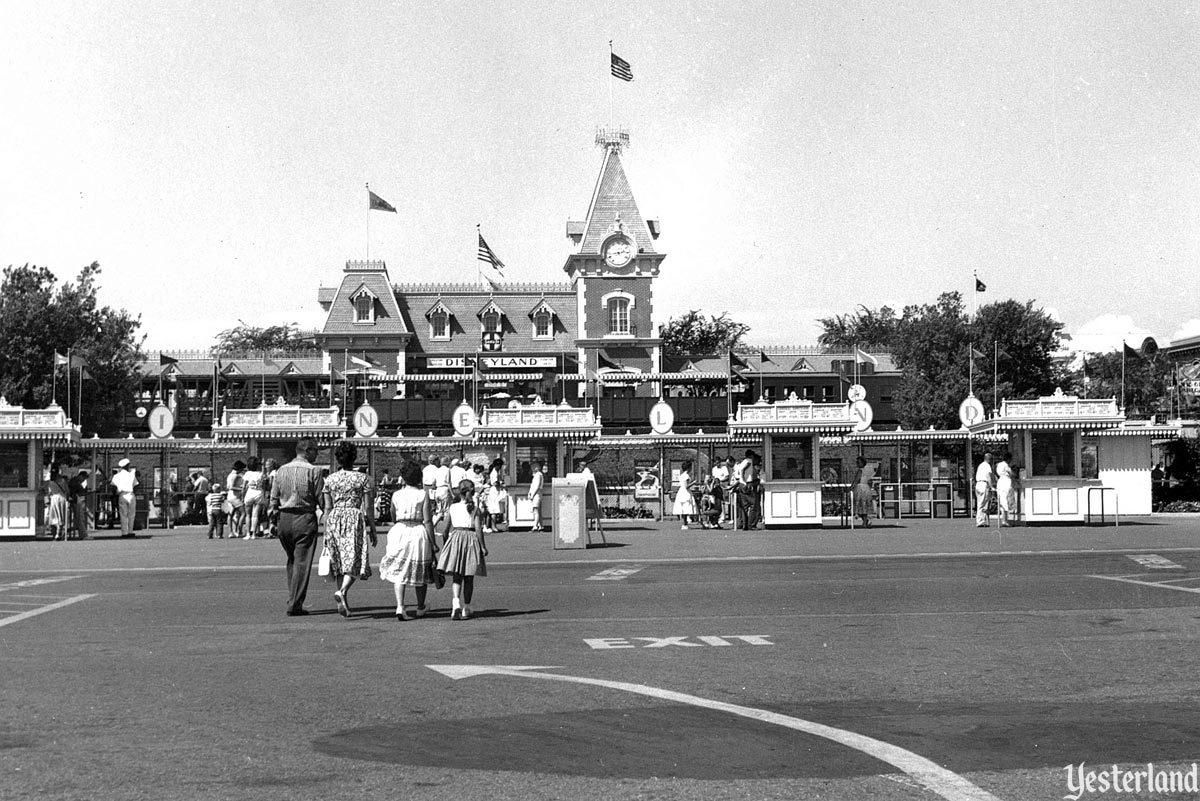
{"type": "Point", "coordinates": [791, 459]}
{"type": "Point", "coordinates": [1052, 453]}
{"type": "Point", "coordinates": [1089, 458]}
{"type": "Point", "coordinates": [14, 465]}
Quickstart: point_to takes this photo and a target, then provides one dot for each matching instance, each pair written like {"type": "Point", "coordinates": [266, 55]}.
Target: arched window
{"type": "Point", "coordinates": [364, 308]}
{"type": "Point", "coordinates": [491, 322]}
{"type": "Point", "coordinates": [541, 325]}
{"type": "Point", "coordinates": [618, 315]}
{"type": "Point", "coordinates": [439, 325]}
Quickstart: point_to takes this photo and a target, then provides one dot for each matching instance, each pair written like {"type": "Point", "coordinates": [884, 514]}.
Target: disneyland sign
{"type": "Point", "coordinates": [493, 362]}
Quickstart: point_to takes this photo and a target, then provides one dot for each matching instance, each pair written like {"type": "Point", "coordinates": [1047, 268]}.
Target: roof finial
{"type": "Point", "coordinates": [613, 139]}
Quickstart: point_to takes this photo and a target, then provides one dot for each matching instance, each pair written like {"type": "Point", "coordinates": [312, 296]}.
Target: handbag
{"type": "Point", "coordinates": [323, 563]}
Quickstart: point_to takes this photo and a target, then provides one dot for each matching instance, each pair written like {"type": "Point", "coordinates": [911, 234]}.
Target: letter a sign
{"type": "Point", "coordinates": [662, 417]}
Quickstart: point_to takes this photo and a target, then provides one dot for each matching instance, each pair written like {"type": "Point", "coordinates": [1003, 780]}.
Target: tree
{"type": "Point", "coordinates": [246, 338]}
{"type": "Point", "coordinates": [1142, 385]}
{"type": "Point", "coordinates": [692, 334]}
{"type": "Point", "coordinates": [931, 344]}
{"type": "Point", "coordinates": [38, 318]}
{"type": "Point", "coordinates": [865, 328]}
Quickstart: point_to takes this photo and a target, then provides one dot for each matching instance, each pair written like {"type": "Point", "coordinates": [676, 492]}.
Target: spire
{"type": "Point", "coordinates": [613, 203]}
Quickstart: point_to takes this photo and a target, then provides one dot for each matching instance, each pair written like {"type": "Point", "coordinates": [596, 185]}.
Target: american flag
{"type": "Point", "coordinates": [486, 254]}
{"type": "Point", "coordinates": [621, 68]}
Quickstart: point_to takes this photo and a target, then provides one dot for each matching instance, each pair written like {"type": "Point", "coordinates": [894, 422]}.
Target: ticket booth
{"type": "Point", "coordinates": [272, 430]}
{"type": "Point", "coordinates": [791, 432]}
{"type": "Point", "coordinates": [1078, 458]}
{"type": "Point", "coordinates": [525, 433]}
{"type": "Point", "coordinates": [24, 436]}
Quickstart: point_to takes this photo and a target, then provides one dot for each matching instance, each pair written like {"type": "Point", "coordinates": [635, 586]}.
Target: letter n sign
{"type": "Point", "coordinates": [662, 417]}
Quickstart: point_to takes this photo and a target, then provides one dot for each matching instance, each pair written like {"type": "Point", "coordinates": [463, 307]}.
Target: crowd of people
{"type": "Point", "coordinates": [731, 493]}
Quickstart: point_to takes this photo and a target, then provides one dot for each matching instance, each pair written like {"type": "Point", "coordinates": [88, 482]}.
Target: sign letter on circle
{"type": "Point", "coordinates": [970, 411]}
{"type": "Point", "coordinates": [862, 414]}
{"type": "Point", "coordinates": [161, 422]}
{"type": "Point", "coordinates": [366, 420]}
{"type": "Point", "coordinates": [464, 420]}
{"type": "Point", "coordinates": [662, 417]}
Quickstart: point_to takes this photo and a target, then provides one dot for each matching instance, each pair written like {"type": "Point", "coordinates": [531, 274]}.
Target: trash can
{"type": "Point", "coordinates": [141, 515]}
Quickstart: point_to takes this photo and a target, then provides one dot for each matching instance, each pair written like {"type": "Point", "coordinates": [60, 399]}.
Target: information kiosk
{"type": "Point", "coordinates": [791, 432]}
{"type": "Point", "coordinates": [576, 511]}
{"type": "Point", "coordinates": [1079, 458]}
{"type": "Point", "coordinates": [24, 435]}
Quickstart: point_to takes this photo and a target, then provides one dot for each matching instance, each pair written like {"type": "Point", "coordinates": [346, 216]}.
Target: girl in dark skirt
{"type": "Point", "coordinates": [462, 558]}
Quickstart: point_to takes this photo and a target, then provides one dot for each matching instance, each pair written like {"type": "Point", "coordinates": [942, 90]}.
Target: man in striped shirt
{"type": "Point", "coordinates": [297, 504]}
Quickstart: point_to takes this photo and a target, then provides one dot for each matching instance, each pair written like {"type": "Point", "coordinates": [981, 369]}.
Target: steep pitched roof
{"type": "Point", "coordinates": [371, 276]}
{"type": "Point", "coordinates": [614, 197]}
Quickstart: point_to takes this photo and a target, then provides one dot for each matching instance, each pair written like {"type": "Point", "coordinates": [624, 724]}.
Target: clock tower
{"type": "Point", "coordinates": [613, 274]}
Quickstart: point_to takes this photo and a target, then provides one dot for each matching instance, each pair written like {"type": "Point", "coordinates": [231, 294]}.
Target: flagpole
{"type": "Point", "coordinates": [368, 220]}
{"type": "Point", "coordinates": [995, 372]}
{"type": "Point", "coordinates": [971, 370]}
{"type": "Point", "coordinates": [610, 85]}
{"type": "Point", "coordinates": [478, 271]}
{"type": "Point", "coordinates": [68, 383]}
{"type": "Point", "coordinates": [54, 378]}
{"type": "Point", "coordinates": [1123, 346]}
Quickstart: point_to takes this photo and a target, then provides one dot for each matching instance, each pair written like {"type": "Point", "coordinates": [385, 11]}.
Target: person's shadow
{"type": "Point", "coordinates": [385, 612]}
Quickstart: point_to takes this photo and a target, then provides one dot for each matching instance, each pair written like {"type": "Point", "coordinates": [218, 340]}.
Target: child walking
{"type": "Point", "coordinates": [462, 557]}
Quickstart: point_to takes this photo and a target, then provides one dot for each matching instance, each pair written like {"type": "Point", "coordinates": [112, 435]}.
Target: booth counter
{"type": "Point", "coordinates": [1079, 458]}
{"type": "Point", "coordinates": [24, 436]}
{"type": "Point", "coordinates": [791, 432]}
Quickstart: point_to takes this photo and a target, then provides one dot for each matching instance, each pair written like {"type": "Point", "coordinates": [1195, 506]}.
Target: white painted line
{"type": "Point", "coordinates": [948, 785]}
{"type": "Point", "coordinates": [1160, 584]}
{"type": "Point", "coordinates": [615, 573]}
{"type": "Point", "coordinates": [16, 585]}
{"type": "Point", "coordinates": [1154, 561]}
{"type": "Point", "coordinates": [47, 608]}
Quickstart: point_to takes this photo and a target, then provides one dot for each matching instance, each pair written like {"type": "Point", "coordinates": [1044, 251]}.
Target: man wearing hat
{"type": "Point", "coordinates": [124, 482]}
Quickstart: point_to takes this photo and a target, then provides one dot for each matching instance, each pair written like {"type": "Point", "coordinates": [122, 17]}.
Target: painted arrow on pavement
{"type": "Point", "coordinates": [948, 785]}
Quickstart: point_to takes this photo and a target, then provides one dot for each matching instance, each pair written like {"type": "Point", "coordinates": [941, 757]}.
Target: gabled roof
{"type": "Point", "coordinates": [439, 308]}
{"type": "Point", "coordinates": [371, 277]}
{"type": "Point", "coordinates": [542, 306]}
{"type": "Point", "coordinates": [490, 308]}
{"type": "Point", "coordinates": [613, 197]}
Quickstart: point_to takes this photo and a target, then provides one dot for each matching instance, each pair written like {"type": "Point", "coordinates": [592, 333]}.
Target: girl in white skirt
{"type": "Point", "coordinates": [462, 557]}
{"type": "Point", "coordinates": [408, 561]}
{"type": "Point", "coordinates": [685, 504]}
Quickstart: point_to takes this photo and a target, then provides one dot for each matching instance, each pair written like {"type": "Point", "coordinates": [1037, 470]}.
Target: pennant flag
{"type": "Point", "coordinates": [60, 359]}
{"type": "Point", "coordinates": [164, 360]}
{"type": "Point", "coordinates": [763, 357]}
{"type": "Point", "coordinates": [621, 68]}
{"type": "Point", "coordinates": [862, 357]}
{"type": "Point", "coordinates": [979, 285]}
{"type": "Point", "coordinates": [736, 361]}
{"type": "Point", "coordinates": [334, 375]}
{"type": "Point", "coordinates": [1130, 353]}
{"type": "Point", "coordinates": [361, 362]}
{"type": "Point", "coordinates": [376, 203]}
{"type": "Point", "coordinates": [977, 354]}
{"type": "Point", "coordinates": [486, 254]}
{"type": "Point", "coordinates": [84, 375]}
{"type": "Point", "coordinates": [77, 361]}
{"type": "Point", "coordinates": [1002, 353]}
{"type": "Point", "coordinates": [607, 363]}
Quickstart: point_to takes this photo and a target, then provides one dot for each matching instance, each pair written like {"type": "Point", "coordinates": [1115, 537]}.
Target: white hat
{"type": "Point", "coordinates": [123, 463]}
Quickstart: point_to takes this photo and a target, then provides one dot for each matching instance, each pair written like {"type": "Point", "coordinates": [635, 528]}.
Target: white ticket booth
{"type": "Point", "coordinates": [24, 436]}
{"type": "Point", "coordinates": [528, 433]}
{"type": "Point", "coordinates": [791, 432]}
{"type": "Point", "coordinates": [1078, 459]}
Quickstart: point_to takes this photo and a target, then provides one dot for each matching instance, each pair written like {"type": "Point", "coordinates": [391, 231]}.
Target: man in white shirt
{"type": "Point", "coordinates": [747, 488]}
{"type": "Point", "coordinates": [985, 482]}
{"type": "Point", "coordinates": [457, 472]}
{"type": "Point", "coordinates": [429, 473]}
{"type": "Point", "coordinates": [125, 481]}
{"type": "Point", "coordinates": [441, 487]}
{"type": "Point", "coordinates": [721, 472]}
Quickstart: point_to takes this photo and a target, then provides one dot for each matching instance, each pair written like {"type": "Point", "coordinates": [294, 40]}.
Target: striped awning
{"type": "Point", "coordinates": [106, 444]}
{"type": "Point", "coordinates": [1156, 431]}
{"type": "Point", "coordinates": [685, 376]}
{"type": "Point", "coordinates": [456, 378]}
{"type": "Point", "coordinates": [673, 440]}
{"type": "Point", "coordinates": [503, 434]}
{"type": "Point", "coordinates": [400, 443]}
{"type": "Point", "coordinates": [998, 424]}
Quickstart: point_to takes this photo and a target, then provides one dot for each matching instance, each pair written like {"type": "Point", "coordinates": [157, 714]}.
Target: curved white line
{"type": "Point", "coordinates": [948, 785]}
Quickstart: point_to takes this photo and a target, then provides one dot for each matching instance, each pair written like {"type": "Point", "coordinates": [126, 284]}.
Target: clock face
{"type": "Point", "coordinates": [618, 252]}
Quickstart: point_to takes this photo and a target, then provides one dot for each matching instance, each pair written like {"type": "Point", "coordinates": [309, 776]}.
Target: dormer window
{"type": "Point", "coordinates": [491, 322]}
{"type": "Point", "coordinates": [542, 317]}
{"type": "Point", "coordinates": [439, 322]}
{"type": "Point", "coordinates": [541, 326]}
{"type": "Point", "coordinates": [363, 302]}
{"type": "Point", "coordinates": [619, 306]}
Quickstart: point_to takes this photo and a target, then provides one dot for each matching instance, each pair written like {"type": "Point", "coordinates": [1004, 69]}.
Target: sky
{"type": "Point", "coordinates": [804, 158]}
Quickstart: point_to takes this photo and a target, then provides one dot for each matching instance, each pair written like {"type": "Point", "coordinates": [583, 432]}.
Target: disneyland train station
{"type": "Point", "coordinates": [573, 375]}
